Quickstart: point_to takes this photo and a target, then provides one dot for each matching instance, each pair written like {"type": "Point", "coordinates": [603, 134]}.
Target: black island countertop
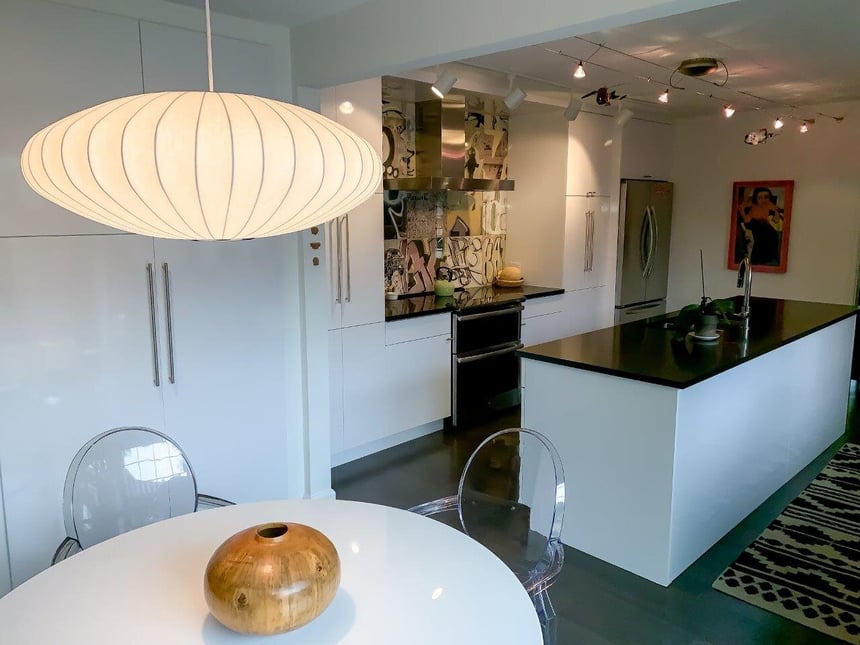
{"type": "Point", "coordinates": [647, 351]}
{"type": "Point", "coordinates": [423, 305]}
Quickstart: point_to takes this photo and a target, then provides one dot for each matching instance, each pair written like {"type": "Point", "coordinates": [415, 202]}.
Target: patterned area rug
{"type": "Point", "coordinates": [806, 564]}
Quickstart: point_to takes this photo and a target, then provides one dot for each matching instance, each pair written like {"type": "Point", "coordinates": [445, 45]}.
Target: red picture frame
{"type": "Point", "coordinates": [761, 218]}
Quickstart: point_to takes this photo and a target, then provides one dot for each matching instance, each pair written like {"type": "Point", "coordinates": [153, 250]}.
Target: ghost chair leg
{"type": "Point", "coordinates": [546, 616]}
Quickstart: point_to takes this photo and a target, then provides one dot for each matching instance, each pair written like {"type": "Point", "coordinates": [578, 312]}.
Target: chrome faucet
{"type": "Point", "coordinates": [745, 278]}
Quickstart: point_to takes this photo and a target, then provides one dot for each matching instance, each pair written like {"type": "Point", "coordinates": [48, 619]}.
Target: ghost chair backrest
{"type": "Point", "coordinates": [511, 499]}
{"type": "Point", "coordinates": [123, 479]}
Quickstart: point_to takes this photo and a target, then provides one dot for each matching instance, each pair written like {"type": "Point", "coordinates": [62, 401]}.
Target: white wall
{"type": "Point", "coordinates": [389, 36]}
{"type": "Point", "coordinates": [709, 155]}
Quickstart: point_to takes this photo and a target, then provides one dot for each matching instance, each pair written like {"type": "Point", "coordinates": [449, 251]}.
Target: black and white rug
{"type": "Point", "coordinates": [806, 564]}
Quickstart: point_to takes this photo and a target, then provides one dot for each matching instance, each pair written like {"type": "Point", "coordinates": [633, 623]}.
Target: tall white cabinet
{"type": "Point", "coordinates": [99, 329]}
{"type": "Point", "coordinates": [565, 213]}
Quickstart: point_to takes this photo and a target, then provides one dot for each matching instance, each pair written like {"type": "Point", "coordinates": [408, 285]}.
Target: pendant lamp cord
{"type": "Point", "coordinates": [209, 46]}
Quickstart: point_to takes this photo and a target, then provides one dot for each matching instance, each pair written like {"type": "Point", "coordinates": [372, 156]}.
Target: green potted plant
{"type": "Point", "coordinates": [703, 318]}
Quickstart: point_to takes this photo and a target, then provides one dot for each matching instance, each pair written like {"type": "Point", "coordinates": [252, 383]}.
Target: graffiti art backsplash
{"type": "Point", "coordinates": [411, 265]}
{"type": "Point", "coordinates": [464, 231]}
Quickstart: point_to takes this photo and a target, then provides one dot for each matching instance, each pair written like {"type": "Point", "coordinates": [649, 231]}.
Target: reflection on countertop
{"type": "Point", "coordinates": [422, 305]}
{"type": "Point", "coordinates": [646, 351]}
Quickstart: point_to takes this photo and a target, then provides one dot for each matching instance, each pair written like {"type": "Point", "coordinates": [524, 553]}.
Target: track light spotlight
{"type": "Point", "coordinates": [778, 123]}
{"type": "Point", "coordinates": [664, 97]}
{"type": "Point", "coordinates": [580, 71]}
{"type": "Point", "coordinates": [804, 127]}
{"type": "Point", "coordinates": [444, 82]}
{"type": "Point", "coordinates": [514, 98]}
{"type": "Point", "coordinates": [728, 110]}
{"type": "Point", "coordinates": [624, 115]}
{"type": "Point", "coordinates": [574, 105]}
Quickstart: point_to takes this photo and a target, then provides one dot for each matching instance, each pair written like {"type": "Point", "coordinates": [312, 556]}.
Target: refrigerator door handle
{"type": "Point", "coordinates": [655, 239]}
{"type": "Point", "coordinates": [644, 231]}
{"type": "Point", "coordinates": [652, 241]}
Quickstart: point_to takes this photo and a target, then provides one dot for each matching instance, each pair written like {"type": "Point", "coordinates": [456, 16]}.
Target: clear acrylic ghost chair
{"type": "Point", "coordinates": [511, 500]}
{"type": "Point", "coordinates": [123, 479]}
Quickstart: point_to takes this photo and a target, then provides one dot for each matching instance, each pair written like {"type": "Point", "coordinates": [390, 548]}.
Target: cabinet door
{"type": "Point", "coordinates": [392, 388]}
{"type": "Point", "coordinates": [591, 155]}
{"type": "Point", "coordinates": [58, 60]}
{"type": "Point", "coordinates": [355, 241]}
{"type": "Point", "coordinates": [576, 242]}
{"type": "Point", "coordinates": [335, 371]}
{"type": "Point", "coordinates": [361, 263]}
{"type": "Point", "coordinates": [541, 329]}
{"type": "Point", "coordinates": [76, 359]}
{"type": "Point", "coordinates": [600, 247]}
{"type": "Point", "coordinates": [175, 59]}
{"type": "Point", "coordinates": [229, 401]}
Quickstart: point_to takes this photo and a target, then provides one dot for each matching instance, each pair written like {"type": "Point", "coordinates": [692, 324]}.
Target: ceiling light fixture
{"type": "Point", "coordinates": [728, 110]}
{"type": "Point", "coordinates": [624, 115]}
{"type": "Point", "coordinates": [515, 95]}
{"type": "Point", "coordinates": [778, 123]}
{"type": "Point", "coordinates": [201, 165]}
{"type": "Point", "coordinates": [444, 82]}
{"type": "Point", "coordinates": [580, 71]}
{"type": "Point", "coordinates": [664, 97]}
{"type": "Point", "coordinates": [804, 127]}
{"type": "Point", "coordinates": [574, 105]}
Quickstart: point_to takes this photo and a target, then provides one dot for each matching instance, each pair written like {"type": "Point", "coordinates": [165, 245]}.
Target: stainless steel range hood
{"type": "Point", "coordinates": [440, 142]}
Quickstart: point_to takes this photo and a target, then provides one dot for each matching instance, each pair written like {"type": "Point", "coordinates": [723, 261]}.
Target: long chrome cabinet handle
{"type": "Point", "coordinates": [333, 229]}
{"type": "Point", "coordinates": [339, 256]}
{"type": "Point", "coordinates": [348, 267]}
{"type": "Point", "coordinates": [587, 240]}
{"type": "Point", "coordinates": [168, 314]}
{"type": "Point", "coordinates": [150, 280]}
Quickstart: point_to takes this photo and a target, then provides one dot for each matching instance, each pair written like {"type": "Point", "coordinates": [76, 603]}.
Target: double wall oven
{"type": "Point", "coordinates": [485, 370]}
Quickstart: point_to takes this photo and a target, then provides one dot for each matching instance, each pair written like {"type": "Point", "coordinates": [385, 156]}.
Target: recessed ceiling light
{"type": "Point", "coordinates": [804, 127]}
{"type": "Point", "coordinates": [346, 107]}
{"type": "Point", "coordinates": [778, 123]}
{"type": "Point", "coordinates": [580, 71]}
{"type": "Point", "coordinates": [664, 97]}
{"type": "Point", "coordinates": [728, 110]}
{"type": "Point", "coordinates": [698, 66]}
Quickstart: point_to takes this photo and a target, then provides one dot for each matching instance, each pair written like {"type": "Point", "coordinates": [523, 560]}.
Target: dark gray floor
{"type": "Point", "coordinates": [595, 601]}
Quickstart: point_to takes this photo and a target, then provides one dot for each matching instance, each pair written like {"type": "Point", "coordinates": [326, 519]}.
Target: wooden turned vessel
{"type": "Point", "coordinates": [272, 578]}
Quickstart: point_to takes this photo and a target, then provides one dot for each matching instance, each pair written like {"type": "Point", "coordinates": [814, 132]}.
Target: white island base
{"type": "Point", "coordinates": [656, 475]}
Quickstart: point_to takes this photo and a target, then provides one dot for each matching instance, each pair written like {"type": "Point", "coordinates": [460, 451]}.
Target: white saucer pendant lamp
{"type": "Point", "coordinates": [201, 165]}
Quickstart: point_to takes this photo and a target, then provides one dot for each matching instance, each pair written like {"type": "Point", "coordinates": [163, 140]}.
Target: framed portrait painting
{"type": "Point", "coordinates": [761, 218]}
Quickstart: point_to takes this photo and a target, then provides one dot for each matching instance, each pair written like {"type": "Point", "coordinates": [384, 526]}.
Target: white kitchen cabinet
{"type": "Point", "coordinates": [98, 341]}
{"type": "Point", "coordinates": [355, 265]}
{"type": "Point", "coordinates": [224, 361]}
{"type": "Point", "coordinates": [592, 155]}
{"type": "Point", "coordinates": [76, 359]}
{"type": "Point", "coordinates": [175, 59]}
{"type": "Point", "coordinates": [57, 60]}
{"type": "Point", "coordinates": [542, 319]}
{"type": "Point", "coordinates": [355, 240]}
{"type": "Point", "coordinates": [589, 253]}
{"type": "Point", "coordinates": [335, 377]}
{"type": "Point", "coordinates": [392, 388]}
{"type": "Point", "coordinates": [646, 151]}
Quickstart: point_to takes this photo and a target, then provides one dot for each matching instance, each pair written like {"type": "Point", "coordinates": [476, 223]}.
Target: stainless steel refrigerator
{"type": "Point", "coordinates": [643, 249]}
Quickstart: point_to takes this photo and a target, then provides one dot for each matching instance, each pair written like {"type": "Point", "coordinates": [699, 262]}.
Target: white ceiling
{"type": "Point", "coordinates": [792, 52]}
{"type": "Point", "coordinates": [288, 13]}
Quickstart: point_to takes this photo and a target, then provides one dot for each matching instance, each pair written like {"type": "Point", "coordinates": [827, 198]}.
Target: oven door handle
{"type": "Point", "coordinates": [497, 352]}
{"type": "Point", "coordinates": [489, 314]}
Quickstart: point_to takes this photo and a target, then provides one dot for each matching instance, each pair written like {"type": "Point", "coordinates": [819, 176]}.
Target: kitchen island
{"type": "Point", "coordinates": [668, 443]}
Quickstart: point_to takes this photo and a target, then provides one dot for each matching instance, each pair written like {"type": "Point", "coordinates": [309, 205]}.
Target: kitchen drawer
{"type": "Point", "coordinates": [542, 306]}
{"type": "Point", "coordinates": [403, 331]}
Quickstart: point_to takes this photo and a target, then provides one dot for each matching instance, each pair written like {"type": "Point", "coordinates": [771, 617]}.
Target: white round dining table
{"type": "Point", "coordinates": [405, 579]}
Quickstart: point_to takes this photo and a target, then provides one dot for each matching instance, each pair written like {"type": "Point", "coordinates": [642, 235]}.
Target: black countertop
{"type": "Point", "coordinates": [412, 306]}
{"type": "Point", "coordinates": [646, 351]}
